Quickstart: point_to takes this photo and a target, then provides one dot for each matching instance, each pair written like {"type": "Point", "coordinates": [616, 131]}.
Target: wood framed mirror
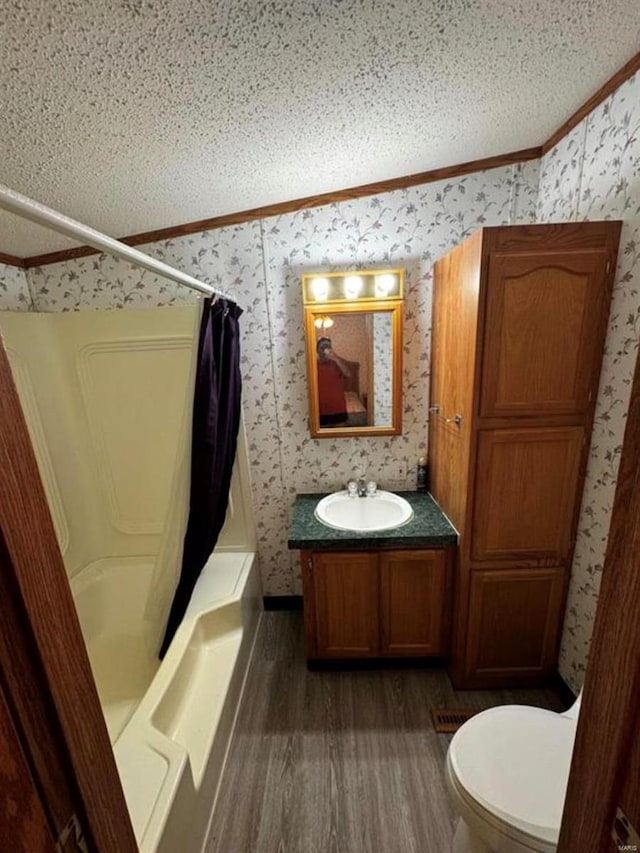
{"type": "Point", "coordinates": [353, 336]}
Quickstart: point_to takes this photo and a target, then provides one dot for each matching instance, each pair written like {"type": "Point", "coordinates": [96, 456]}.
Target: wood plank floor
{"type": "Point", "coordinates": [339, 762]}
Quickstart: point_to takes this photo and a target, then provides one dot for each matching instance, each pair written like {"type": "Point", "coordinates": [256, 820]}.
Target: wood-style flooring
{"type": "Point", "coordinates": [339, 762]}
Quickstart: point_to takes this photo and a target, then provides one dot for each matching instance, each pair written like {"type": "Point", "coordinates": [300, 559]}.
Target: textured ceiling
{"type": "Point", "coordinates": [132, 115]}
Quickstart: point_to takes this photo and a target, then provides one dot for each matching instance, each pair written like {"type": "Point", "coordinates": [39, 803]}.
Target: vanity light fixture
{"type": "Point", "coordinates": [386, 284]}
{"type": "Point", "coordinates": [352, 286]}
{"type": "Point", "coordinates": [331, 288]}
{"type": "Point", "coordinates": [320, 288]}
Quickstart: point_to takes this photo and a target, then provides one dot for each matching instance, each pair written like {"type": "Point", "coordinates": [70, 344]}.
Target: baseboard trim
{"type": "Point", "coordinates": [282, 602]}
{"type": "Point", "coordinates": [330, 664]}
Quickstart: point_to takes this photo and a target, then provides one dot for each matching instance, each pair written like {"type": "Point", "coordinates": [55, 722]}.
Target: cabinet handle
{"type": "Point", "coordinates": [456, 419]}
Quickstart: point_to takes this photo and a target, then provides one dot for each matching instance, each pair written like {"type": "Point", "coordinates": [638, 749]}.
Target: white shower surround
{"type": "Point", "coordinates": [93, 387]}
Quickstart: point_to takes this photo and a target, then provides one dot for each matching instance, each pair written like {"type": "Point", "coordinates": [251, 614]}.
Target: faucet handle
{"type": "Point", "coordinates": [372, 488]}
{"type": "Point", "coordinates": [352, 488]}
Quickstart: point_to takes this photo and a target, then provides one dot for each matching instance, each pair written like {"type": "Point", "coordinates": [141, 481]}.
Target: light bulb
{"type": "Point", "coordinates": [320, 288]}
{"type": "Point", "coordinates": [385, 284]}
{"type": "Point", "coordinates": [328, 322]}
{"type": "Point", "coordinates": [352, 286]}
{"type": "Point", "coordinates": [318, 323]}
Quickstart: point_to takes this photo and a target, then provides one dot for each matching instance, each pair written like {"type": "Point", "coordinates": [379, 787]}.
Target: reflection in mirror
{"type": "Point", "coordinates": [382, 367]}
{"type": "Point", "coordinates": [354, 359]}
{"type": "Point", "coordinates": [353, 356]}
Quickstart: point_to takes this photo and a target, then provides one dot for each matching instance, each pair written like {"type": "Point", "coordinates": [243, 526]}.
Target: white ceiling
{"type": "Point", "coordinates": [132, 115]}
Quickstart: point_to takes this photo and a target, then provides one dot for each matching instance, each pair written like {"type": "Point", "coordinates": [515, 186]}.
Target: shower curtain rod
{"type": "Point", "coordinates": [40, 214]}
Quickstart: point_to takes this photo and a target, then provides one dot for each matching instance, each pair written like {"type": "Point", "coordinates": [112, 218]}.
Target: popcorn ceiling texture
{"type": "Point", "coordinates": [131, 115]}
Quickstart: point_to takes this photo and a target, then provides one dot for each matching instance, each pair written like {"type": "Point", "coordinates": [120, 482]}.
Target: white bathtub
{"type": "Point", "coordinates": [170, 723]}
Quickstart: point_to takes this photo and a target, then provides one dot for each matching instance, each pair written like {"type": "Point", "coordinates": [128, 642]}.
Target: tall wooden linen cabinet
{"type": "Point", "coordinates": [519, 322]}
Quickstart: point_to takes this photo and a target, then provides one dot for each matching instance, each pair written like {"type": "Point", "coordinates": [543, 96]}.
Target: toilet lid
{"type": "Point", "coordinates": [514, 761]}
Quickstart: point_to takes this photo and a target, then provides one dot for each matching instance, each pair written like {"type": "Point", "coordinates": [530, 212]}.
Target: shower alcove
{"type": "Point", "coordinates": [107, 400]}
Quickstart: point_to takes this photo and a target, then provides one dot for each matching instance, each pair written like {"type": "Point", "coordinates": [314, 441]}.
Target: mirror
{"type": "Point", "coordinates": [353, 330]}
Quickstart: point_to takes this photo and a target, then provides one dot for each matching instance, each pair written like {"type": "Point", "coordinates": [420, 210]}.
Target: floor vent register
{"type": "Point", "coordinates": [448, 720]}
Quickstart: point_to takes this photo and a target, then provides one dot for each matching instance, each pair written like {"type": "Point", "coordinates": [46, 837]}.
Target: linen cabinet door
{"type": "Point", "coordinates": [545, 323]}
{"type": "Point", "coordinates": [413, 604]}
{"type": "Point", "coordinates": [525, 493]}
{"type": "Point", "coordinates": [346, 604]}
{"type": "Point", "coordinates": [514, 620]}
{"type": "Point", "coordinates": [453, 339]}
{"type": "Point", "coordinates": [454, 329]}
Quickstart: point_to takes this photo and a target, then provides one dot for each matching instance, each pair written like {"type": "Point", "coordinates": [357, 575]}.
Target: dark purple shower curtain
{"type": "Point", "coordinates": [216, 418]}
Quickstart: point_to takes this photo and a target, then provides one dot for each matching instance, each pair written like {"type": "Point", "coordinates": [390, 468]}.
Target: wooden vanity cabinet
{"type": "Point", "coordinates": [519, 322]}
{"type": "Point", "coordinates": [345, 596]}
{"type": "Point", "coordinates": [363, 604]}
{"type": "Point", "coordinates": [413, 602]}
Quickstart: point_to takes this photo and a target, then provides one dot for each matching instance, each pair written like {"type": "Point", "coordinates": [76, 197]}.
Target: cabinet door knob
{"type": "Point", "coordinates": [456, 419]}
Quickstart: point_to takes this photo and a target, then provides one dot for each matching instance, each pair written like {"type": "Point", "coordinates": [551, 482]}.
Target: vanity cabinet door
{"type": "Point", "coordinates": [346, 603]}
{"type": "Point", "coordinates": [413, 602]}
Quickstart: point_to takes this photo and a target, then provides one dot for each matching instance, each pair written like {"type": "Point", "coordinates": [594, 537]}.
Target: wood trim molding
{"type": "Point", "coordinates": [360, 191]}
{"type": "Point", "coordinates": [12, 260]}
{"type": "Point", "coordinates": [609, 713]}
{"type": "Point", "coordinates": [613, 83]}
{"type": "Point", "coordinates": [242, 216]}
{"type": "Point", "coordinates": [24, 826]}
{"type": "Point", "coordinates": [30, 559]}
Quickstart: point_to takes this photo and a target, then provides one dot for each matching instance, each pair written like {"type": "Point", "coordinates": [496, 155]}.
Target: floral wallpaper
{"type": "Point", "coordinates": [14, 289]}
{"type": "Point", "coordinates": [382, 368]}
{"type": "Point", "coordinates": [408, 228]}
{"type": "Point", "coordinates": [594, 173]}
{"type": "Point", "coordinates": [260, 264]}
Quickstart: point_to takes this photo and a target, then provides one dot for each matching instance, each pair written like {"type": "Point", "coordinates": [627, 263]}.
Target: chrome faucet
{"type": "Point", "coordinates": [361, 489]}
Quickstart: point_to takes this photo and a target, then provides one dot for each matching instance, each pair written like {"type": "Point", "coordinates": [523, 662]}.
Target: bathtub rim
{"type": "Point", "coordinates": [141, 745]}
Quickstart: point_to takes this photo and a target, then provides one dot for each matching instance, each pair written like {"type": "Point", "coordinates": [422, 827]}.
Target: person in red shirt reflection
{"type": "Point", "coordinates": [332, 372]}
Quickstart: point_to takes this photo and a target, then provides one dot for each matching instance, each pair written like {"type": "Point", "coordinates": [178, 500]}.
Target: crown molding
{"type": "Point", "coordinates": [613, 83]}
{"type": "Point", "coordinates": [12, 260]}
{"type": "Point", "coordinates": [296, 204]}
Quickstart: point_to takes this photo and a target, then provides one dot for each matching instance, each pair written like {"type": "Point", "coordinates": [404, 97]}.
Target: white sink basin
{"type": "Point", "coordinates": [383, 511]}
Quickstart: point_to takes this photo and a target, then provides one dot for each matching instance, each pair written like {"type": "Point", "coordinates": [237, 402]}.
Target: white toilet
{"type": "Point", "coordinates": [507, 770]}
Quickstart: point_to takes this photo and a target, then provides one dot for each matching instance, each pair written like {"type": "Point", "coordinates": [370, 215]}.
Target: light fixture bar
{"type": "Point", "coordinates": [352, 286]}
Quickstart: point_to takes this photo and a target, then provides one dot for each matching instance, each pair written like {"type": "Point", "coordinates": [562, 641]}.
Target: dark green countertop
{"type": "Point", "coordinates": [429, 528]}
